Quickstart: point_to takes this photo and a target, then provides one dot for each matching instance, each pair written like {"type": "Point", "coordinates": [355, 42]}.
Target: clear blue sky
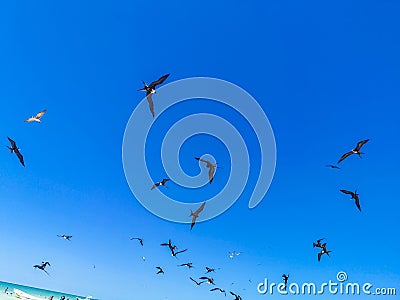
{"type": "Point", "coordinates": [326, 75]}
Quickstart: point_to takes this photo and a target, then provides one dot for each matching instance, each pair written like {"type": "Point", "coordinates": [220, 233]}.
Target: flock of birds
{"type": "Point", "coordinates": [150, 90]}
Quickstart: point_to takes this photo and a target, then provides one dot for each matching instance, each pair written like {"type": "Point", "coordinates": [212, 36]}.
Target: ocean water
{"type": "Point", "coordinates": [39, 293]}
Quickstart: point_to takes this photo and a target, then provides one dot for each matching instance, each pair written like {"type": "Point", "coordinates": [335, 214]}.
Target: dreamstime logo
{"type": "Point", "coordinates": [135, 143]}
{"type": "Point", "coordinates": [310, 288]}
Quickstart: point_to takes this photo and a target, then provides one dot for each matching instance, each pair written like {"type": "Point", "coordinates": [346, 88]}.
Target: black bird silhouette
{"type": "Point", "coordinates": [209, 165]}
{"type": "Point", "coordinates": [332, 166]}
{"type": "Point", "coordinates": [318, 243]}
{"type": "Point", "coordinates": [354, 196]}
{"type": "Point", "coordinates": [170, 246]}
{"type": "Point", "coordinates": [160, 270]}
{"type": "Point", "coordinates": [43, 266]}
{"type": "Point", "coordinates": [356, 150]}
{"type": "Point", "coordinates": [323, 251]}
{"type": "Point", "coordinates": [65, 237]}
{"type": "Point", "coordinates": [218, 289]}
{"type": "Point", "coordinates": [209, 270]}
{"type": "Point", "coordinates": [285, 279]}
{"type": "Point", "coordinates": [189, 265]}
{"type": "Point", "coordinates": [139, 239]}
{"type": "Point", "coordinates": [197, 283]}
{"type": "Point", "coordinates": [195, 214]}
{"type": "Point", "coordinates": [15, 149]}
{"type": "Point", "coordinates": [237, 297]}
{"type": "Point", "coordinates": [209, 280]}
{"type": "Point", "coordinates": [162, 183]}
{"type": "Point", "coordinates": [150, 89]}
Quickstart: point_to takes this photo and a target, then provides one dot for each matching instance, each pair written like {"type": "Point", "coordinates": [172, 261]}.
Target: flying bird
{"type": "Point", "coordinates": [354, 196]}
{"type": "Point", "coordinates": [209, 270]}
{"type": "Point", "coordinates": [170, 246]}
{"type": "Point", "coordinates": [237, 297]}
{"type": "Point", "coordinates": [285, 279]}
{"type": "Point", "coordinates": [43, 266]}
{"type": "Point", "coordinates": [318, 243]}
{"type": "Point", "coordinates": [37, 117]}
{"type": "Point", "coordinates": [189, 265]}
{"type": "Point", "coordinates": [233, 254]}
{"type": "Point", "coordinates": [332, 166]}
{"type": "Point", "coordinates": [65, 237]}
{"type": "Point", "coordinates": [211, 167]}
{"type": "Point", "coordinates": [197, 283]}
{"type": "Point", "coordinates": [218, 289]}
{"type": "Point", "coordinates": [139, 239]}
{"type": "Point", "coordinates": [323, 251]}
{"type": "Point", "coordinates": [150, 89]}
{"type": "Point", "coordinates": [195, 214]}
{"type": "Point", "coordinates": [160, 270]}
{"type": "Point", "coordinates": [162, 183]}
{"type": "Point", "coordinates": [356, 150]}
{"type": "Point", "coordinates": [209, 280]}
{"type": "Point", "coordinates": [15, 149]}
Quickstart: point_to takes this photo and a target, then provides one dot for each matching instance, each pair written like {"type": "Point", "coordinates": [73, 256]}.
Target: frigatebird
{"type": "Point", "coordinates": [15, 149]}
{"type": "Point", "coordinates": [170, 246]}
{"type": "Point", "coordinates": [162, 183]}
{"type": "Point", "coordinates": [285, 279]}
{"type": "Point", "coordinates": [65, 237]}
{"type": "Point", "coordinates": [209, 165]}
{"type": "Point", "coordinates": [195, 214]}
{"type": "Point", "coordinates": [37, 117]}
{"type": "Point", "coordinates": [218, 289]}
{"type": "Point", "coordinates": [139, 239]}
{"type": "Point", "coordinates": [209, 270]}
{"type": "Point", "coordinates": [354, 196]}
{"type": "Point", "coordinates": [209, 280]}
{"type": "Point", "coordinates": [237, 297]}
{"type": "Point", "coordinates": [189, 265]}
{"type": "Point", "coordinates": [160, 271]}
{"type": "Point", "coordinates": [197, 283]}
{"type": "Point", "coordinates": [356, 150]}
{"type": "Point", "coordinates": [323, 251]}
{"type": "Point", "coordinates": [43, 266]}
{"type": "Point", "coordinates": [150, 89]}
{"type": "Point", "coordinates": [318, 243]}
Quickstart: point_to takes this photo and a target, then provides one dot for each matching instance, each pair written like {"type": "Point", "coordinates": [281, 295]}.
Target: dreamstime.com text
{"type": "Point", "coordinates": [340, 287]}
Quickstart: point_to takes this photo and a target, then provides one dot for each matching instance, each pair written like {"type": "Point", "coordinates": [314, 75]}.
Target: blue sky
{"type": "Point", "coordinates": [326, 74]}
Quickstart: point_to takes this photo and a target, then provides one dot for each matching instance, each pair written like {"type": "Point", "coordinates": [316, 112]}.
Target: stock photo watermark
{"type": "Point", "coordinates": [135, 162]}
{"type": "Point", "coordinates": [340, 286]}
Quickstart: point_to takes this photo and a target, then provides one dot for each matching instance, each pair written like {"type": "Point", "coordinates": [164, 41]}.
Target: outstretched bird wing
{"type": "Point", "coordinates": [345, 156]}
{"type": "Point", "coordinates": [360, 144]}
{"type": "Point", "coordinates": [31, 119]}
{"type": "Point", "coordinates": [20, 157]}
{"type": "Point", "coordinates": [39, 115]}
{"type": "Point", "coordinates": [158, 81]}
{"type": "Point", "coordinates": [13, 144]}
{"type": "Point", "coordinates": [151, 104]}
{"type": "Point", "coordinates": [211, 173]}
{"type": "Point", "coordinates": [357, 200]}
{"type": "Point", "coordinates": [176, 253]}
{"type": "Point", "coordinates": [347, 192]}
{"type": "Point", "coordinates": [200, 209]}
{"type": "Point", "coordinates": [155, 185]}
{"type": "Point", "coordinates": [203, 160]}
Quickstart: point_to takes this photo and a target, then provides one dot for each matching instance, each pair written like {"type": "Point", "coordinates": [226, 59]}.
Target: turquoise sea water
{"type": "Point", "coordinates": [8, 294]}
